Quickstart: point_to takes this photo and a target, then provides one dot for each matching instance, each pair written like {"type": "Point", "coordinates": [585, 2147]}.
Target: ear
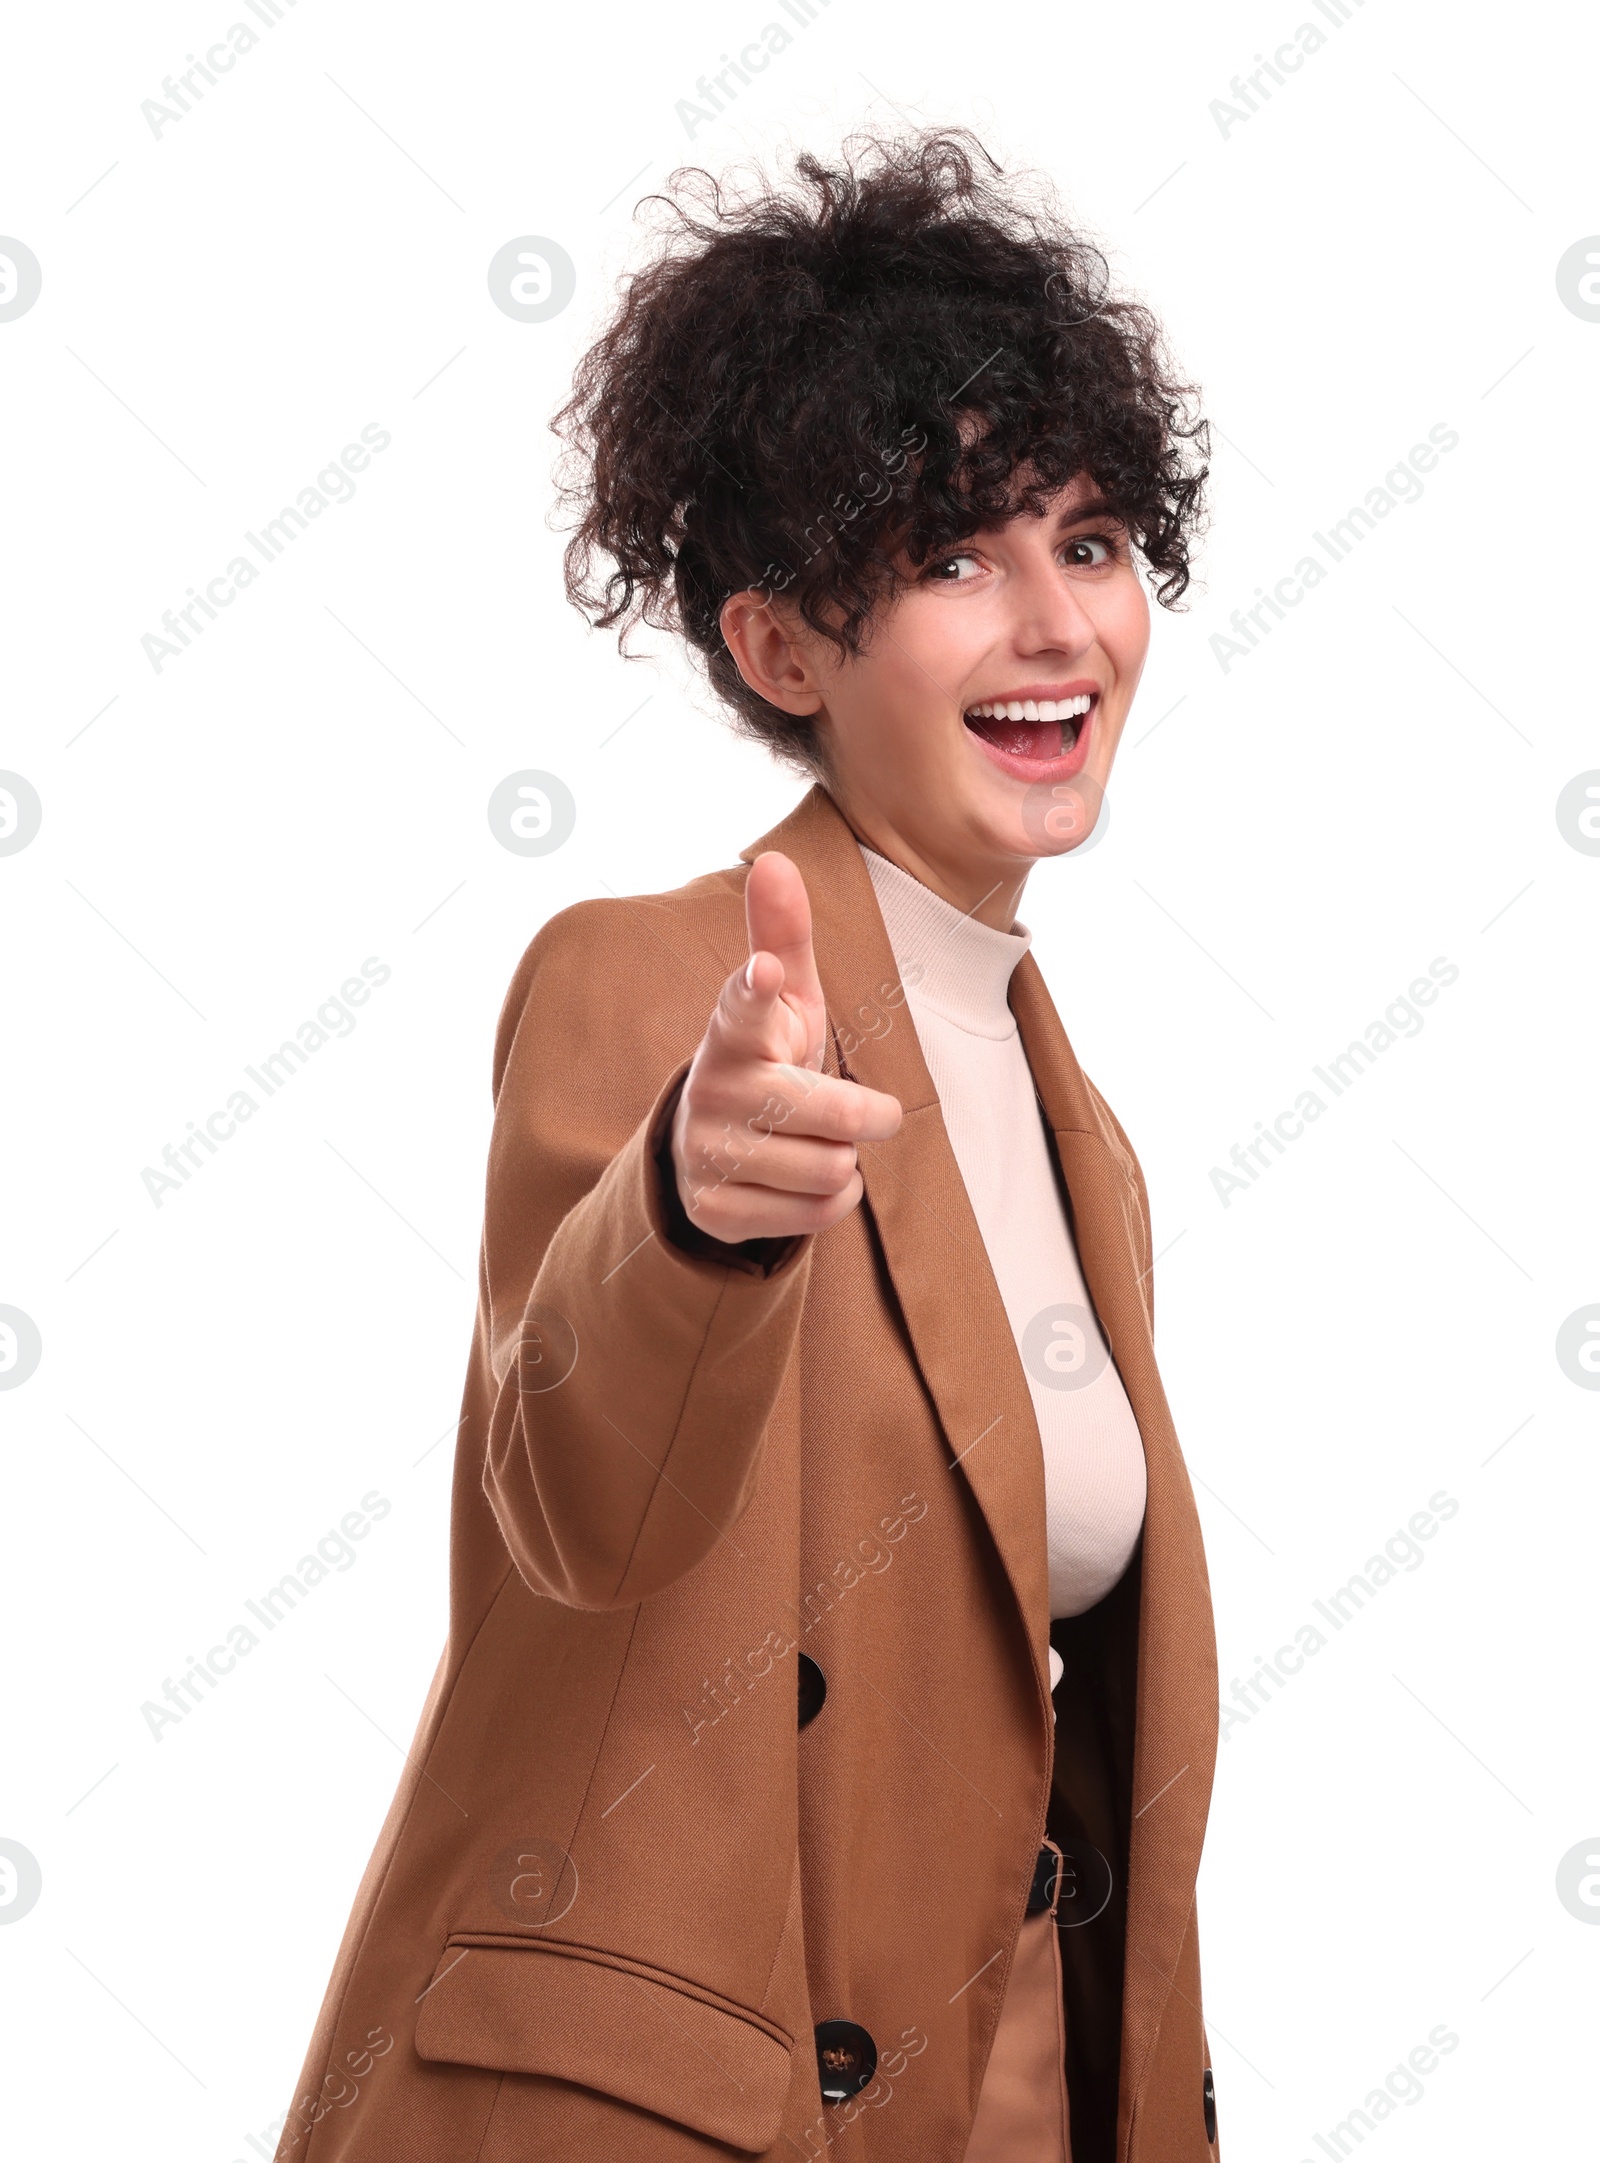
{"type": "Point", "coordinates": [768, 651]}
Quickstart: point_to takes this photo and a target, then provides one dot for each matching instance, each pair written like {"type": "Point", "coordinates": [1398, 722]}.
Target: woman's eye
{"type": "Point", "coordinates": [1089, 551]}
{"type": "Point", "coordinates": [942, 570]}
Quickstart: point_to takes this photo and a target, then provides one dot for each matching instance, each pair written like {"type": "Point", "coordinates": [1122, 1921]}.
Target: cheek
{"type": "Point", "coordinates": [1123, 626]}
{"type": "Point", "coordinates": [930, 642]}
{"type": "Point", "coordinates": [884, 701]}
{"type": "Point", "coordinates": [878, 704]}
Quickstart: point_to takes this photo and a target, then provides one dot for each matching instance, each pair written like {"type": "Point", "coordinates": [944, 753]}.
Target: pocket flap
{"type": "Point", "coordinates": [517, 2005]}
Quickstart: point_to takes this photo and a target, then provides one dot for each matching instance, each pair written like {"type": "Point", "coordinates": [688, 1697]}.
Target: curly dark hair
{"type": "Point", "coordinates": [801, 383]}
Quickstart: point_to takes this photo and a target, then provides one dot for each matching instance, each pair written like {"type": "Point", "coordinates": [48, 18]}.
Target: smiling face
{"type": "Point", "coordinates": [975, 732]}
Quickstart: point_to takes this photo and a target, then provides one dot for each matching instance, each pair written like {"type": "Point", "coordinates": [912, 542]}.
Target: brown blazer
{"type": "Point", "coordinates": [623, 1882]}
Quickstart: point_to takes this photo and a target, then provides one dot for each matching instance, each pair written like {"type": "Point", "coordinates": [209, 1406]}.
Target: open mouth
{"type": "Point", "coordinates": [1034, 737]}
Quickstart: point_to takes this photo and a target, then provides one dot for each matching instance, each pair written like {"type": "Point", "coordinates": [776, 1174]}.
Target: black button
{"type": "Point", "coordinates": [813, 1689]}
{"type": "Point", "coordinates": [1085, 1884]}
{"type": "Point", "coordinates": [1210, 2097]}
{"type": "Point", "coordinates": [847, 2058]}
{"type": "Point", "coordinates": [1044, 1882]}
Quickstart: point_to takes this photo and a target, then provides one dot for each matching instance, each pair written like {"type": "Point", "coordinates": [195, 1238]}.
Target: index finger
{"type": "Point", "coordinates": [777, 913]}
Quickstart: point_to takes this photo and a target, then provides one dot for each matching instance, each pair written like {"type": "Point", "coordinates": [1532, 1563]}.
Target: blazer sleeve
{"type": "Point", "coordinates": [631, 1378]}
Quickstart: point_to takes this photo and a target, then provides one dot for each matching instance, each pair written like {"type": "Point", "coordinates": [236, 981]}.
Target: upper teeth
{"type": "Point", "coordinates": [1034, 709]}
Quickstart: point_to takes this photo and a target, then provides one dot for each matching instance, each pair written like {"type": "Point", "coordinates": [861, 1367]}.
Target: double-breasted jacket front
{"type": "Point", "coordinates": [736, 1766]}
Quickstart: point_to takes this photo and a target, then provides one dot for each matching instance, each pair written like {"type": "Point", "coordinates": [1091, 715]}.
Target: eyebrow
{"type": "Point", "coordinates": [1094, 507]}
{"type": "Point", "coordinates": [1091, 507]}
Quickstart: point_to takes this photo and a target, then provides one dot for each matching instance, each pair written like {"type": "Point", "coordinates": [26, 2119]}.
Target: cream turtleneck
{"type": "Point", "coordinates": [957, 973]}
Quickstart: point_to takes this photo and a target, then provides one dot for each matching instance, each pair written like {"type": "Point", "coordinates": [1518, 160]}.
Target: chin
{"type": "Point", "coordinates": [1043, 819]}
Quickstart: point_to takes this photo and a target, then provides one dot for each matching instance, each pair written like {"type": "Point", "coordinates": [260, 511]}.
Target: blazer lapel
{"type": "Point", "coordinates": [1175, 1736]}
{"type": "Point", "coordinates": [931, 1241]}
{"type": "Point", "coordinates": [963, 1343]}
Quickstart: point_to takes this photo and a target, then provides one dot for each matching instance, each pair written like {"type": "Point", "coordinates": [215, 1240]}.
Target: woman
{"type": "Point", "coordinates": [822, 1749]}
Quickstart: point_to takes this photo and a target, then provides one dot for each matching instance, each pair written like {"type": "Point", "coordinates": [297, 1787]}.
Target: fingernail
{"type": "Point", "coordinates": [750, 974]}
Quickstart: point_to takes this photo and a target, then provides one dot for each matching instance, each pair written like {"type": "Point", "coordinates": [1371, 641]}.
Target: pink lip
{"type": "Point", "coordinates": [1057, 769]}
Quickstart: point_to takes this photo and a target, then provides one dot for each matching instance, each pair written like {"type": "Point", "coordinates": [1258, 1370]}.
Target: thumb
{"type": "Point", "coordinates": [777, 913]}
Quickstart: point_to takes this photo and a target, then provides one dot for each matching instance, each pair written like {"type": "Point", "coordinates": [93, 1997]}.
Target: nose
{"type": "Point", "coordinates": [1049, 613]}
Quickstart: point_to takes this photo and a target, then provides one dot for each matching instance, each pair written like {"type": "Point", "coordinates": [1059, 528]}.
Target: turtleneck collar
{"type": "Point", "coordinates": [949, 962]}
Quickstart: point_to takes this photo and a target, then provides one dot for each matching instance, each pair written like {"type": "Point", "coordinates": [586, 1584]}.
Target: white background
{"type": "Point", "coordinates": [1292, 841]}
